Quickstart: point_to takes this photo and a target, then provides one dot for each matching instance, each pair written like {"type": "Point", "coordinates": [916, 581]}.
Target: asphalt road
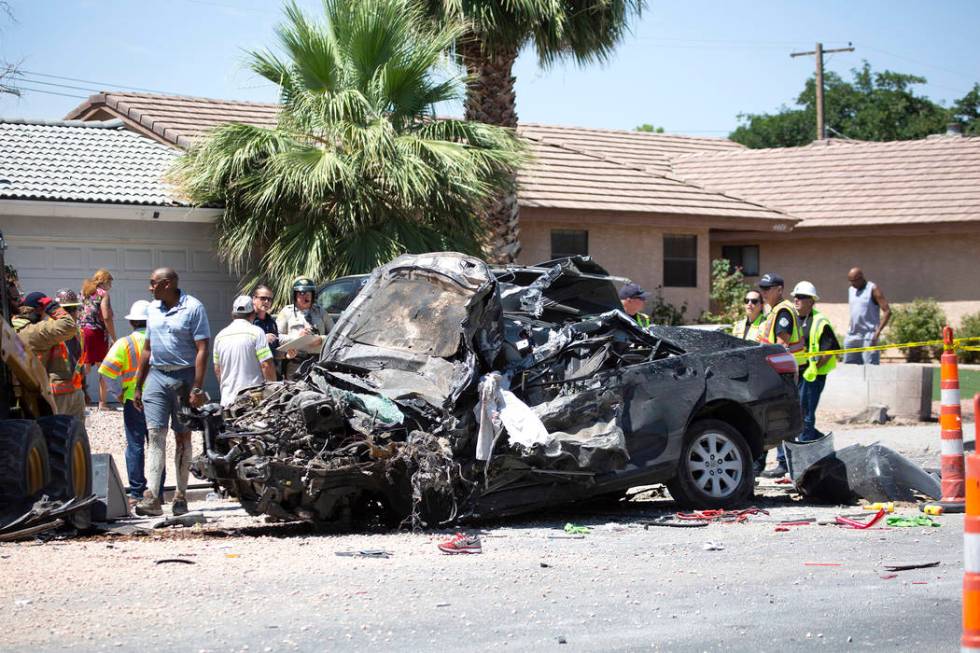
{"type": "Point", "coordinates": [261, 587]}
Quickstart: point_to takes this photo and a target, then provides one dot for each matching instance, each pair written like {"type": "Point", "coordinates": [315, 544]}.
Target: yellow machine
{"type": "Point", "coordinates": [41, 453]}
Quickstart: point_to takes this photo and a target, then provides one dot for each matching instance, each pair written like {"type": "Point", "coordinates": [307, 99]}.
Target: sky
{"type": "Point", "coordinates": [690, 66]}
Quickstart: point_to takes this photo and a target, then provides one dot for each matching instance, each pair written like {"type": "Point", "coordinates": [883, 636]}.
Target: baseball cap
{"type": "Point", "coordinates": [242, 305]}
{"type": "Point", "coordinates": [771, 279]}
{"type": "Point", "coordinates": [633, 291]}
{"type": "Point", "coordinates": [33, 300]}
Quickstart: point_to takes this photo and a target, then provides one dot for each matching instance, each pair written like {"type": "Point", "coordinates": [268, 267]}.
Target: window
{"type": "Point", "coordinates": [745, 257]}
{"type": "Point", "coordinates": [680, 261]}
{"type": "Point", "coordinates": [337, 295]}
{"type": "Point", "coordinates": [569, 242]}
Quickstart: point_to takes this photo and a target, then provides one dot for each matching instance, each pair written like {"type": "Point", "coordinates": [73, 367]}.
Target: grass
{"type": "Point", "coordinates": [969, 383]}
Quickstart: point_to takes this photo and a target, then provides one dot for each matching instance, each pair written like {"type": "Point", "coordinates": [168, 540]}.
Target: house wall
{"type": "Point", "coordinates": [905, 267]}
{"type": "Point", "coordinates": [635, 252]}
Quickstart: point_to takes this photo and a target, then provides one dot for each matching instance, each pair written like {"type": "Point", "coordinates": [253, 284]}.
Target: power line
{"type": "Point", "coordinates": [68, 86]}
{"type": "Point", "coordinates": [41, 90]}
{"type": "Point", "coordinates": [101, 84]}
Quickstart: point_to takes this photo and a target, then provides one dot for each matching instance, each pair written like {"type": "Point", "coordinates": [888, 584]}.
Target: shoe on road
{"type": "Point", "coordinates": [179, 506]}
{"type": "Point", "coordinates": [778, 471]}
{"type": "Point", "coordinates": [149, 507]}
{"type": "Point", "coordinates": [461, 543]}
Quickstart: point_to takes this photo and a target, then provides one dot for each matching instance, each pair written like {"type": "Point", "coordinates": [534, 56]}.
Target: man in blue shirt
{"type": "Point", "coordinates": [172, 368]}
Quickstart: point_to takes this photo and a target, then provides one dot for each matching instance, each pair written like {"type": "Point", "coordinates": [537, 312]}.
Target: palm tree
{"type": "Point", "coordinates": [358, 169]}
{"type": "Point", "coordinates": [585, 31]}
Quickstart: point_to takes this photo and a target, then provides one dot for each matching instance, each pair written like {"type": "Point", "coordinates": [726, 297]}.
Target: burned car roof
{"type": "Point", "coordinates": [443, 387]}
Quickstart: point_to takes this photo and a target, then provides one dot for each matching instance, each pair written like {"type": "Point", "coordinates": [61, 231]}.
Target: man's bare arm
{"type": "Point", "coordinates": [886, 311]}
{"type": "Point", "coordinates": [269, 370]}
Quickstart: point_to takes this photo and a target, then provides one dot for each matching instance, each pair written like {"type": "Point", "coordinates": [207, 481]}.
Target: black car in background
{"type": "Point", "coordinates": [450, 390]}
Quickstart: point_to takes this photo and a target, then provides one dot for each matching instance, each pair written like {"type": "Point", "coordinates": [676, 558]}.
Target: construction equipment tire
{"type": "Point", "coordinates": [24, 467]}
{"type": "Point", "coordinates": [70, 456]}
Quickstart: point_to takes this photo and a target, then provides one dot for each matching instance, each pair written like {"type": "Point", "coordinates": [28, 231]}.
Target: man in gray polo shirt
{"type": "Point", "coordinates": [172, 368]}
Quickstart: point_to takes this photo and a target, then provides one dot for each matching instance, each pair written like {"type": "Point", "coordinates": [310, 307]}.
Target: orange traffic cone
{"type": "Point", "coordinates": [971, 549]}
{"type": "Point", "coordinates": [951, 425]}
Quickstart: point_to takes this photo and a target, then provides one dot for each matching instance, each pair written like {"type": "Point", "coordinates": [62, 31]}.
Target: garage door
{"type": "Point", "coordinates": [53, 253]}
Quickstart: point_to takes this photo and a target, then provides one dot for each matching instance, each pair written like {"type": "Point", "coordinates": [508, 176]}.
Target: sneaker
{"type": "Point", "coordinates": [149, 506]}
{"type": "Point", "coordinates": [461, 543]}
{"type": "Point", "coordinates": [778, 471]}
{"type": "Point", "coordinates": [179, 506]}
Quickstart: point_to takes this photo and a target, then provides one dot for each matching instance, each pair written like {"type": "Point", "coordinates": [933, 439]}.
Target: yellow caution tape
{"type": "Point", "coordinates": [903, 345]}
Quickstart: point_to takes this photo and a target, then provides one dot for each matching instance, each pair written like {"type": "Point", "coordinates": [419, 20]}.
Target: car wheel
{"type": "Point", "coordinates": [715, 467]}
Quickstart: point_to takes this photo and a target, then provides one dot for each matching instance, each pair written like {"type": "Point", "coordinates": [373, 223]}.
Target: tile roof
{"type": "Point", "coordinates": [647, 151]}
{"type": "Point", "coordinates": [83, 162]}
{"type": "Point", "coordinates": [561, 177]}
{"type": "Point", "coordinates": [838, 183]}
{"type": "Point", "coordinates": [174, 118]}
{"type": "Point", "coordinates": [600, 169]}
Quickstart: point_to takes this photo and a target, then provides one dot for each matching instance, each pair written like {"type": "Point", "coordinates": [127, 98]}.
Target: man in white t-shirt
{"type": "Point", "coordinates": [242, 358]}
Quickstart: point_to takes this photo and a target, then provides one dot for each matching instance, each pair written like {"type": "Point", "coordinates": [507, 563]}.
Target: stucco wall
{"type": "Point", "coordinates": [635, 252]}
{"type": "Point", "coordinates": [941, 266]}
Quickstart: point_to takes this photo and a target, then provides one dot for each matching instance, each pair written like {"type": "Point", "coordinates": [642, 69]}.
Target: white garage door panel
{"type": "Point", "coordinates": [130, 251]}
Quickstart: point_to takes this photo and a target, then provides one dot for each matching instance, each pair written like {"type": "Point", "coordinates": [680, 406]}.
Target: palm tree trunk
{"type": "Point", "coordinates": [490, 98]}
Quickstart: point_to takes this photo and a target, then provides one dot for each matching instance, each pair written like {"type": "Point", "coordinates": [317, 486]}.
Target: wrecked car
{"type": "Point", "coordinates": [449, 391]}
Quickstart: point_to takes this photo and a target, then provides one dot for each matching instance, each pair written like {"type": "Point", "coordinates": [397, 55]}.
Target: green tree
{"type": "Point", "coordinates": [966, 111]}
{"type": "Point", "coordinates": [584, 31]}
{"type": "Point", "coordinates": [648, 128]}
{"type": "Point", "coordinates": [359, 169]}
{"type": "Point", "coordinates": [873, 106]}
{"type": "Point", "coordinates": [919, 320]}
{"type": "Point", "coordinates": [728, 289]}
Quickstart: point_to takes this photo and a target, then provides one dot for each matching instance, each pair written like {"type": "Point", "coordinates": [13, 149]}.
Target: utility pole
{"type": "Point", "coordinates": [818, 55]}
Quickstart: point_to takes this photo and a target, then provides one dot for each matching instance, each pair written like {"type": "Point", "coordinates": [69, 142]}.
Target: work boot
{"type": "Point", "coordinates": [179, 506]}
{"type": "Point", "coordinates": [778, 471]}
{"type": "Point", "coordinates": [149, 506]}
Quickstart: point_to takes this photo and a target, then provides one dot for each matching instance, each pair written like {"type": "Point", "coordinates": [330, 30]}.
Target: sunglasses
{"type": "Point", "coordinates": [263, 299]}
{"type": "Point", "coordinates": [752, 301]}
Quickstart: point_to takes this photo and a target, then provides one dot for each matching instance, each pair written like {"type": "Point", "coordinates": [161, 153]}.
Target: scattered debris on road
{"type": "Point", "coordinates": [918, 565]}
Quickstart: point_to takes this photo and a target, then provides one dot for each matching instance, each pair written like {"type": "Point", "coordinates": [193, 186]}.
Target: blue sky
{"type": "Point", "coordinates": [691, 65]}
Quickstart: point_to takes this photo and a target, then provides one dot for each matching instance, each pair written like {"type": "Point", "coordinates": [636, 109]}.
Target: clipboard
{"type": "Point", "coordinates": [307, 344]}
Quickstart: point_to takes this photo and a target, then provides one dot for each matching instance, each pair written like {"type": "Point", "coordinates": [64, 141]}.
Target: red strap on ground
{"type": "Point", "coordinates": [857, 525]}
{"type": "Point", "coordinates": [731, 516]}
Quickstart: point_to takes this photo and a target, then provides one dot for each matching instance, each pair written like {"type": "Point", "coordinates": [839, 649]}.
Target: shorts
{"type": "Point", "coordinates": [95, 346]}
{"type": "Point", "coordinates": [163, 394]}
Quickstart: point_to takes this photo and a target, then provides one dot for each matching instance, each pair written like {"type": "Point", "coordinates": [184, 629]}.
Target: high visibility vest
{"type": "Point", "coordinates": [809, 357]}
{"type": "Point", "coordinates": [746, 331]}
{"type": "Point", "coordinates": [123, 360]}
{"type": "Point", "coordinates": [643, 320]}
{"type": "Point", "coordinates": [768, 332]}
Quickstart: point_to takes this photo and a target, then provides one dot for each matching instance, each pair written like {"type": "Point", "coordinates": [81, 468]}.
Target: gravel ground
{"type": "Point", "coordinates": [254, 586]}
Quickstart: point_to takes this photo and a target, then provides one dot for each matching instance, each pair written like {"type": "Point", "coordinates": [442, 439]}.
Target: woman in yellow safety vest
{"type": "Point", "coordinates": [748, 327]}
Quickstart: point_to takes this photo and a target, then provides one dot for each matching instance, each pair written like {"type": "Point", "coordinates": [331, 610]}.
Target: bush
{"type": "Point", "coordinates": [727, 292]}
{"type": "Point", "coordinates": [663, 312]}
{"type": "Point", "coordinates": [922, 319]}
{"type": "Point", "coordinates": [969, 328]}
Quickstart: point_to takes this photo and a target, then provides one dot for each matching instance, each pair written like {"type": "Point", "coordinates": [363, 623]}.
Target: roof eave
{"type": "Point", "coordinates": [107, 210]}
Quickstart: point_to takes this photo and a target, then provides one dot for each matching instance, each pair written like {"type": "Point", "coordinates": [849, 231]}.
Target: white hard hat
{"type": "Point", "coordinates": [138, 311]}
{"type": "Point", "coordinates": [806, 289]}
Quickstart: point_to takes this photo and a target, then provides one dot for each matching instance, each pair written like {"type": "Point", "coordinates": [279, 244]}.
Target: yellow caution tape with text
{"type": "Point", "coordinates": [903, 345]}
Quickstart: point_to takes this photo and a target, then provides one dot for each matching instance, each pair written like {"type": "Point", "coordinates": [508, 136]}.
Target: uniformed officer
{"type": "Point", "coordinates": [633, 298]}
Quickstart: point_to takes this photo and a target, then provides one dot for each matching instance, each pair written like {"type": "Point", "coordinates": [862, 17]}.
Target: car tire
{"type": "Point", "coordinates": [24, 467]}
{"type": "Point", "coordinates": [70, 455]}
{"type": "Point", "coordinates": [714, 469]}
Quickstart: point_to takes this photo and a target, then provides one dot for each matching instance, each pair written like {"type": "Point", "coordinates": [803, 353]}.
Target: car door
{"type": "Point", "coordinates": [658, 400]}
